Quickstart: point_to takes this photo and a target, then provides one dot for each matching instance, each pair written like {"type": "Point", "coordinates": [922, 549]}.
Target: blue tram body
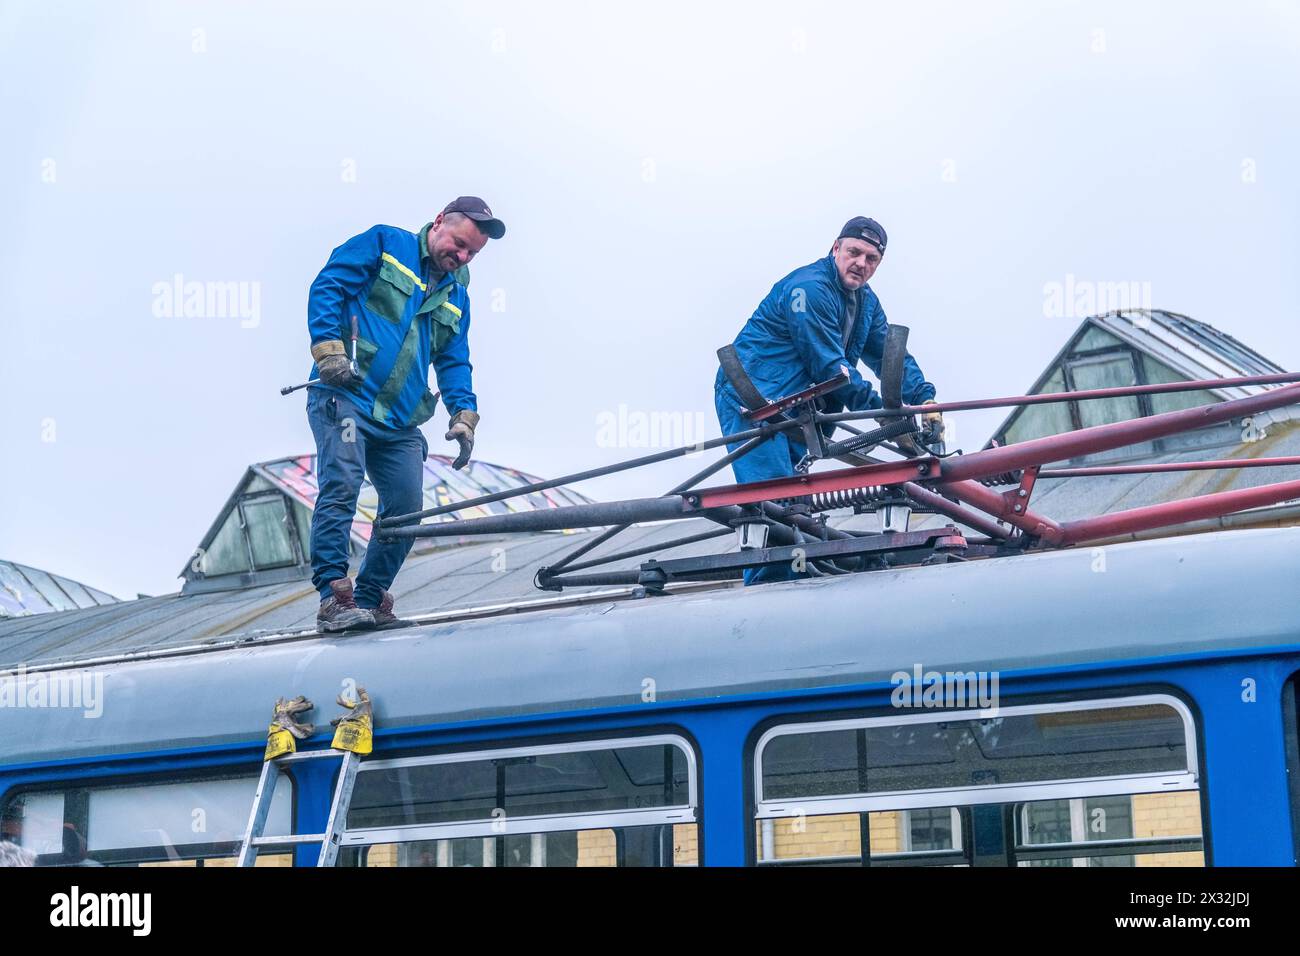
{"type": "Point", "coordinates": [1127, 705]}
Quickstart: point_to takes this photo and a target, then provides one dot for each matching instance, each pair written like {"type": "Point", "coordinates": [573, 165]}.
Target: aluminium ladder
{"type": "Point", "coordinates": [254, 838]}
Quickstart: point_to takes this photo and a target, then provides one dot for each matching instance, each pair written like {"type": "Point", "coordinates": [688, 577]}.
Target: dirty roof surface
{"type": "Point", "coordinates": [495, 571]}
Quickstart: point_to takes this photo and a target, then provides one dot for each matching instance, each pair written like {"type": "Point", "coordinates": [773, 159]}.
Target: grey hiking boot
{"type": "Point", "coordinates": [339, 611]}
{"type": "Point", "coordinates": [384, 613]}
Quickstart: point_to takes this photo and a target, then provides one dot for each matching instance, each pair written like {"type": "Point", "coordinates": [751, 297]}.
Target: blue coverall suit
{"type": "Point", "coordinates": [800, 335]}
{"type": "Point", "coordinates": [409, 316]}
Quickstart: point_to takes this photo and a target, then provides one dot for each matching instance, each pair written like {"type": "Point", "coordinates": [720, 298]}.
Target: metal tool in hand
{"type": "Point", "coordinates": [352, 366]}
{"type": "Point", "coordinates": [293, 388]}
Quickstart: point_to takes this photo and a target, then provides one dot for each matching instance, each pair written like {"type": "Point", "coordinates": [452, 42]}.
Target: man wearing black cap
{"type": "Point", "coordinates": [819, 319]}
{"type": "Point", "coordinates": [388, 304]}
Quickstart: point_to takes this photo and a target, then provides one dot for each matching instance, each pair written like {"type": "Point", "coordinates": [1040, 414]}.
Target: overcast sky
{"type": "Point", "coordinates": [659, 166]}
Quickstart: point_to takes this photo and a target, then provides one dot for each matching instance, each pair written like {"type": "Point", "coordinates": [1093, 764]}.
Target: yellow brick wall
{"type": "Point", "coordinates": [1170, 859]}
{"type": "Point", "coordinates": [263, 859]}
{"type": "Point", "coordinates": [802, 837]}
{"type": "Point", "coordinates": [887, 832]}
{"type": "Point", "coordinates": [382, 854]}
{"type": "Point", "coordinates": [839, 834]}
{"type": "Point", "coordinates": [686, 844]}
{"type": "Point", "coordinates": [1167, 814]}
{"type": "Point", "coordinates": [1154, 815]}
{"type": "Point", "coordinates": [596, 848]}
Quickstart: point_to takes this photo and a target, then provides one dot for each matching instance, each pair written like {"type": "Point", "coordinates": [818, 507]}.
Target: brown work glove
{"type": "Point", "coordinates": [360, 709]}
{"type": "Point", "coordinates": [462, 430]}
{"type": "Point", "coordinates": [333, 364]}
{"type": "Point", "coordinates": [355, 730]}
{"type": "Point", "coordinates": [933, 419]}
{"type": "Point", "coordinates": [286, 716]}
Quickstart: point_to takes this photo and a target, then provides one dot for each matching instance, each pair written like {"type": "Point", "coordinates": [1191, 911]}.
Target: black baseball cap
{"type": "Point", "coordinates": [868, 230]}
{"type": "Point", "coordinates": [478, 210]}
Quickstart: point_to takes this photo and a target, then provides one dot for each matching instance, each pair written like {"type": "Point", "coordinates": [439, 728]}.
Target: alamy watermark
{"type": "Point", "coordinates": [1080, 298]}
{"type": "Point", "coordinates": [77, 690]}
{"type": "Point", "coordinates": [626, 428]}
{"type": "Point", "coordinates": [920, 688]}
{"type": "Point", "coordinates": [129, 910]}
{"type": "Point", "coordinates": [182, 299]}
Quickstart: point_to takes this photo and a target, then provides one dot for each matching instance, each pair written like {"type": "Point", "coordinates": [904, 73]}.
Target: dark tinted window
{"type": "Point", "coordinates": [1028, 748]}
{"type": "Point", "coordinates": [587, 781]}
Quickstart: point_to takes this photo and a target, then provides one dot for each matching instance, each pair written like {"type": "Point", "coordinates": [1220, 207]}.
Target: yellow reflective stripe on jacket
{"type": "Point", "coordinates": [388, 257]}
{"type": "Point", "coordinates": [453, 308]}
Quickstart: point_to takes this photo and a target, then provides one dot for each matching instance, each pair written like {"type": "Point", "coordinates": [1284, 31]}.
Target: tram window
{"type": "Point", "coordinates": [263, 859]}
{"type": "Point", "coordinates": [931, 835]}
{"type": "Point", "coordinates": [551, 805]}
{"type": "Point", "coordinates": [1144, 829]}
{"type": "Point", "coordinates": [930, 829]}
{"type": "Point", "coordinates": [510, 785]}
{"type": "Point", "coordinates": [34, 821]}
{"type": "Point", "coordinates": [173, 822]}
{"type": "Point", "coordinates": [1042, 780]}
{"type": "Point", "coordinates": [939, 754]}
{"type": "Point", "coordinates": [674, 845]}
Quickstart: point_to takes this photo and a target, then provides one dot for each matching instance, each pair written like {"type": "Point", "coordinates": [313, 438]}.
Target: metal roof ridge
{"type": "Point", "coordinates": [1133, 333]}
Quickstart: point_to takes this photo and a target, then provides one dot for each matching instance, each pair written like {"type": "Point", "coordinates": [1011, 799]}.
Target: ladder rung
{"type": "Point", "coordinates": [300, 755]}
{"type": "Point", "coordinates": [288, 839]}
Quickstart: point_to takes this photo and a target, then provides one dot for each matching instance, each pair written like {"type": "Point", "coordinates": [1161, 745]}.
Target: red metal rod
{"type": "Point", "coordinates": [957, 474]}
{"type": "Point", "coordinates": [1177, 512]}
{"type": "Point", "coordinates": [1087, 441]}
{"type": "Point", "coordinates": [1049, 398]}
{"type": "Point", "coordinates": [846, 479]}
{"type": "Point", "coordinates": [1222, 465]}
{"type": "Point", "coordinates": [797, 486]}
{"type": "Point", "coordinates": [943, 506]}
{"type": "Point", "coordinates": [994, 503]}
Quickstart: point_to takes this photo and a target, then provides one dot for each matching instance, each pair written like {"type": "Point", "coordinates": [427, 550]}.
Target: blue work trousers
{"type": "Point", "coordinates": [775, 458]}
{"type": "Point", "coordinates": [349, 446]}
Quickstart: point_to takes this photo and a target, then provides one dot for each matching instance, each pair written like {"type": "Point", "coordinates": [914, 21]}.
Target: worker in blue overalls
{"type": "Point", "coordinates": [407, 293]}
{"type": "Point", "coordinates": [821, 318]}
